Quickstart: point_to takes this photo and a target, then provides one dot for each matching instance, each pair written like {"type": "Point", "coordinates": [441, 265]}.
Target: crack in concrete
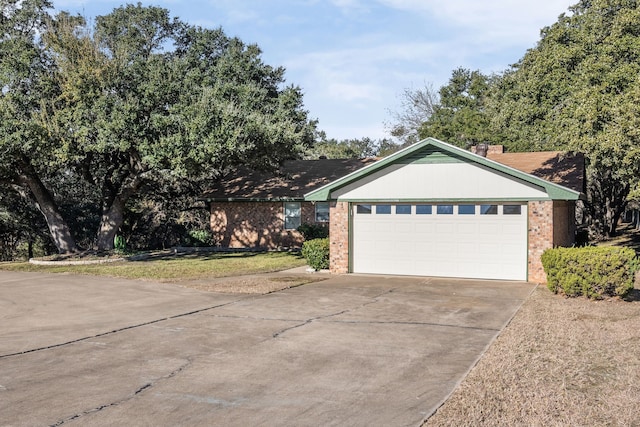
{"type": "Point", "coordinates": [140, 390]}
{"type": "Point", "coordinates": [374, 300]}
{"type": "Point", "coordinates": [115, 331]}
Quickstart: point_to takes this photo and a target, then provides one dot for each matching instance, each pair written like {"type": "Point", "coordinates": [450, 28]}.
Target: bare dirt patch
{"type": "Point", "coordinates": [560, 362]}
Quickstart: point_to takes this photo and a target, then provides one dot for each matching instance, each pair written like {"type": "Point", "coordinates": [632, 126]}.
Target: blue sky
{"type": "Point", "coordinates": [353, 58]}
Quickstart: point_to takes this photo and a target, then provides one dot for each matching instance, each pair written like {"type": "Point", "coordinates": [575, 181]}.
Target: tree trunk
{"type": "Point", "coordinates": [113, 210]}
{"type": "Point", "coordinates": [112, 219]}
{"type": "Point", "coordinates": [58, 228]}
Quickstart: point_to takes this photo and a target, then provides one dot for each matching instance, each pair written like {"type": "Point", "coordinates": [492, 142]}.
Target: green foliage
{"type": "Point", "coordinates": [132, 98]}
{"type": "Point", "coordinates": [460, 117]}
{"type": "Point", "coordinates": [594, 272]}
{"type": "Point", "coordinates": [199, 238]}
{"type": "Point", "coordinates": [316, 252]}
{"type": "Point", "coordinates": [578, 89]}
{"type": "Point", "coordinates": [120, 244]}
{"type": "Point", "coordinates": [351, 148]}
{"type": "Point", "coordinates": [313, 231]}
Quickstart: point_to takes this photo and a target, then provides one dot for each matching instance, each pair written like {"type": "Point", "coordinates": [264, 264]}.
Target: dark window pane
{"type": "Point", "coordinates": [363, 209]}
{"type": "Point", "coordinates": [403, 209]}
{"type": "Point", "coordinates": [423, 209]}
{"type": "Point", "coordinates": [488, 209]}
{"type": "Point", "coordinates": [322, 212]}
{"type": "Point", "coordinates": [445, 210]}
{"type": "Point", "coordinates": [512, 209]}
{"type": "Point", "coordinates": [383, 209]}
{"type": "Point", "coordinates": [466, 210]}
{"type": "Point", "coordinates": [292, 214]}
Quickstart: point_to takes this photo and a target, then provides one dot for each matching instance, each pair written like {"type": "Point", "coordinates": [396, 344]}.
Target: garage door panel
{"type": "Point", "coordinates": [479, 246]}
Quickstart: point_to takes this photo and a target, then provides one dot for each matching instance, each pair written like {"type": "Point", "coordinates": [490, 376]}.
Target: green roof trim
{"type": "Point", "coordinates": [430, 151]}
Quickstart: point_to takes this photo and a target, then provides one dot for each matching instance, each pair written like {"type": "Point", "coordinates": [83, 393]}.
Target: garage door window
{"type": "Point", "coordinates": [363, 209]}
{"type": "Point", "coordinates": [383, 209]}
{"type": "Point", "coordinates": [403, 209]}
{"type": "Point", "coordinates": [488, 209]}
{"type": "Point", "coordinates": [467, 210]}
{"type": "Point", "coordinates": [423, 209]}
{"type": "Point", "coordinates": [512, 209]}
{"type": "Point", "coordinates": [445, 209]}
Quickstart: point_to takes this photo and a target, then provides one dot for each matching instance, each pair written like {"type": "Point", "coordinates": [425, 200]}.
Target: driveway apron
{"type": "Point", "coordinates": [351, 350]}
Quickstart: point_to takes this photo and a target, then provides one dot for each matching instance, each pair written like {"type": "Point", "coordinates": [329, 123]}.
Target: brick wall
{"type": "Point", "coordinates": [256, 224]}
{"type": "Point", "coordinates": [551, 224]}
{"type": "Point", "coordinates": [540, 237]}
{"type": "Point", "coordinates": [339, 237]}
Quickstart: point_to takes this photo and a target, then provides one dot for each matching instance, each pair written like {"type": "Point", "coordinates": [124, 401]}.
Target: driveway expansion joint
{"type": "Point", "coordinates": [115, 331]}
{"type": "Point", "coordinates": [139, 391]}
{"type": "Point", "coordinates": [374, 300]}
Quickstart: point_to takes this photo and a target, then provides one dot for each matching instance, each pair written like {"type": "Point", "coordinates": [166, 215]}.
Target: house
{"type": "Point", "coordinates": [430, 209]}
{"type": "Point", "coordinates": [258, 209]}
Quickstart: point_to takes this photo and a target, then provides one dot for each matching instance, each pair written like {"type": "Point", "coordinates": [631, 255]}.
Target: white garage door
{"type": "Point", "coordinates": [486, 241]}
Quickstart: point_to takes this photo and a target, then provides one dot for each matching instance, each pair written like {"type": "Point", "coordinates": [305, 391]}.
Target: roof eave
{"type": "Point", "coordinates": [554, 191]}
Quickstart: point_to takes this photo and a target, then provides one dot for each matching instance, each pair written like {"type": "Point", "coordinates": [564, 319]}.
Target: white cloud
{"type": "Point", "coordinates": [501, 21]}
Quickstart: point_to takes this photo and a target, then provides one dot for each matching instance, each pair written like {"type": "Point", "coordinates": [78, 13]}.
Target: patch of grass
{"type": "Point", "coordinates": [560, 362]}
{"type": "Point", "coordinates": [627, 237]}
{"type": "Point", "coordinates": [179, 267]}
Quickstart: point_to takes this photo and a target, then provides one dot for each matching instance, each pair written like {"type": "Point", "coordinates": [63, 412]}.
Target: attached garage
{"type": "Point", "coordinates": [449, 240]}
{"type": "Point", "coordinates": [433, 209]}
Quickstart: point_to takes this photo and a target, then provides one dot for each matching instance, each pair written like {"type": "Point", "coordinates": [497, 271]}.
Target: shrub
{"type": "Point", "coordinates": [199, 238]}
{"type": "Point", "coordinates": [119, 244]}
{"type": "Point", "coordinates": [316, 252]}
{"type": "Point", "coordinates": [595, 272]}
{"type": "Point", "coordinates": [313, 231]}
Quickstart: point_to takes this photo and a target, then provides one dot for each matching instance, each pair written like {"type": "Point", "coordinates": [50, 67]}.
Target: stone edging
{"type": "Point", "coordinates": [88, 262]}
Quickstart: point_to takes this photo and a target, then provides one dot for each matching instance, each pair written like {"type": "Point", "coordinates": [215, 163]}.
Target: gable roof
{"type": "Point", "coordinates": [291, 182]}
{"type": "Point", "coordinates": [432, 150]}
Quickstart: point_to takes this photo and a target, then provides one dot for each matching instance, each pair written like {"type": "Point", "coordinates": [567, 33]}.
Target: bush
{"type": "Point", "coordinates": [199, 238]}
{"type": "Point", "coordinates": [313, 231]}
{"type": "Point", "coordinates": [595, 272]}
{"type": "Point", "coordinates": [316, 252]}
{"type": "Point", "coordinates": [119, 244]}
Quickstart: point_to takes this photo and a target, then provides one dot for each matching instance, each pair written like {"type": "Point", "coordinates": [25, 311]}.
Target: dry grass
{"type": "Point", "coordinates": [560, 362]}
{"type": "Point", "coordinates": [179, 267]}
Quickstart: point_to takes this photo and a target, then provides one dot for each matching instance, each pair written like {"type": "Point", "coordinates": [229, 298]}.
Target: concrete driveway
{"type": "Point", "coordinates": [351, 350]}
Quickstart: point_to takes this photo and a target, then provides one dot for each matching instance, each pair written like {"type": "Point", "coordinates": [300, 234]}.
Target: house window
{"type": "Point", "coordinates": [488, 209]}
{"type": "Point", "coordinates": [512, 209]}
{"type": "Point", "coordinates": [322, 212]}
{"type": "Point", "coordinates": [363, 209]}
{"type": "Point", "coordinates": [383, 209]}
{"type": "Point", "coordinates": [466, 209]}
{"type": "Point", "coordinates": [403, 209]}
{"type": "Point", "coordinates": [445, 209]}
{"type": "Point", "coordinates": [292, 213]}
{"type": "Point", "coordinates": [423, 209]}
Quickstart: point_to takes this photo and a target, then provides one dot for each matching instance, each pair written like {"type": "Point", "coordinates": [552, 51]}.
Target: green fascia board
{"type": "Point", "coordinates": [431, 150]}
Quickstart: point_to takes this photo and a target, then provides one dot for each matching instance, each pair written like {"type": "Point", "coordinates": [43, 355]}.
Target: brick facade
{"type": "Point", "coordinates": [339, 237]}
{"type": "Point", "coordinates": [261, 225]}
{"type": "Point", "coordinates": [551, 224]}
{"type": "Point", "coordinates": [256, 224]}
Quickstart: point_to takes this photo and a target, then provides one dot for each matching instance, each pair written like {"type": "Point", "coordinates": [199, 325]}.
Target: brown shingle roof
{"type": "Point", "coordinates": [555, 166]}
{"type": "Point", "coordinates": [294, 179]}
{"type": "Point", "coordinates": [298, 177]}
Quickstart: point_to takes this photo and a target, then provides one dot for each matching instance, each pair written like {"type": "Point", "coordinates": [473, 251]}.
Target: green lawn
{"type": "Point", "coordinates": [180, 267]}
